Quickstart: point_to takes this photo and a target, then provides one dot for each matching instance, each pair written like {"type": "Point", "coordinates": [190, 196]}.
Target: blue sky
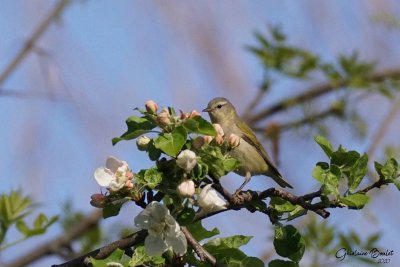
{"type": "Point", "coordinates": [104, 58]}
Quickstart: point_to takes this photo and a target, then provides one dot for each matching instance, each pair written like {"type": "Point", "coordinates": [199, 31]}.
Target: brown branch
{"type": "Point", "coordinates": [315, 92]}
{"type": "Point", "coordinates": [57, 244]}
{"type": "Point", "coordinates": [203, 254]}
{"type": "Point", "coordinates": [30, 43]}
{"type": "Point", "coordinates": [101, 253]}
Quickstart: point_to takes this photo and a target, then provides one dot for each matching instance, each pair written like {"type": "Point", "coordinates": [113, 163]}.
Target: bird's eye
{"type": "Point", "coordinates": [219, 106]}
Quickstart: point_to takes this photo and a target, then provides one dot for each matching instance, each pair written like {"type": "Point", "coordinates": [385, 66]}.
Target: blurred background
{"type": "Point", "coordinates": [98, 60]}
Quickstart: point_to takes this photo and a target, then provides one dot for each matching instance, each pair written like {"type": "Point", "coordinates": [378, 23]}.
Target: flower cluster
{"type": "Point", "coordinates": [192, 148]}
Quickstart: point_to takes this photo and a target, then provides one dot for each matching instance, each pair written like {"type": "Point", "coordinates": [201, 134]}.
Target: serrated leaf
{"type": "Point", "coordinates": [118, 256]}
{"type": "Point", "coordinates": [355, 201]}
{"type": "Point", "coordinates": [136, 127]}
{"type": "Point", "coordinates": [171, 143]}
{"type": "Point", "coordinates": [199, 125]}
{"type": "Point", "coordinates": [357, 172]}
{"type": "Point", "coordinates": [230, 164]}
{"type": "Point", "coordinates": [324, 144]}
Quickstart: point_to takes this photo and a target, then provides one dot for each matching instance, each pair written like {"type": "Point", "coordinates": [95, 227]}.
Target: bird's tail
{"type": "Point", "coordinates": [279, 179]}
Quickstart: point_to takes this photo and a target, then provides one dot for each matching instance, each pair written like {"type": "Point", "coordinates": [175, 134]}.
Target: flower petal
{"type": "Point", "coordinates": [154, 245]}
{"type": "Point", "coordinates": [113, 163]}
{"type": "Point", "coordinates": [210, 201]}
{"type": "Point", "coordinates": [103, 176]}
{"type": "Point", "coordinates": [178, 243]}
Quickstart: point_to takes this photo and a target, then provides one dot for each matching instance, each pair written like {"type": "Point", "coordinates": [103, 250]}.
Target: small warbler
{"type": "Point", "coordinates": [253, 158]}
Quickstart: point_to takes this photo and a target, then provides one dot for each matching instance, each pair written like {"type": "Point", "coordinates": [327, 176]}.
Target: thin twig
{"type": "Point", "coordinates": [315, 92]}
{"type": "Point", "coordinates": [30, 43]}
{"type": "Point", "coordinates": [101, 253]}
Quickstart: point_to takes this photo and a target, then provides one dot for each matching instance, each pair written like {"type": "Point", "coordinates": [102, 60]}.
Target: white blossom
{"type": "Point", "coordinates": [164, 231]}
{"type": "Point", "coordinates": [143, 142]}
{"type": "Point", "coordinates": [210, 201]}
{"type": "Point", "coordinates": [187, 160]}
{"type": "Point", "coordinates": [114, 175]}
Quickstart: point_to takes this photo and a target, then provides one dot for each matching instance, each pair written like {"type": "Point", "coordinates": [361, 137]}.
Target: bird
{"type": "Point", "coordinates": [253, 158]}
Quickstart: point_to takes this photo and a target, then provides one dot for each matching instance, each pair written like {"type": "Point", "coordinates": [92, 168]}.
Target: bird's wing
{"type": "Point", "coordinates": [251, 138]}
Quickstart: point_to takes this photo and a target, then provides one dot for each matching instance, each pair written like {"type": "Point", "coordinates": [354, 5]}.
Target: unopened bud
{"type": "Point", "coordinates": [219, 139]}
{"type": "Point", "coordinates": [151, 106]}
{"type": "Point", "coordinates": [194, 113]}
{"type": "Point", "coordinates": [218, 129]}
{"type": "Point", "coordinates": [142, 143]}
{"type": "Point", "coordinates": [233, 140]}
{"type": "Point", "coordinates": [207, 139]}
{"type": "Point", "coordinates": [186, 188]}
{"type": "Point", "coordinates": [164, 118]}
{"type": "Point", "coordinates": [97, 200]}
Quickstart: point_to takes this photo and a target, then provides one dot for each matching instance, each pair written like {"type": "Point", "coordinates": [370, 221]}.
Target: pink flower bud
{"type": "Point", "coordinates": [194, 113]}
{"type": "Point", "coordinates": [233, 140]}
{"type": "Point", "coordinates": [98, 200]}
{"type": "Point", "coordinates": [186, 188]}
{"type": "Point", "coordinates": [129, 184]}
{"type": "Point", "coordinates": [207, 139]}
{"type": "Point", "coordinates": [218, 129]}
{"type": "Point", "coordinates": [151, 106]}
{"type": "Point", "coordinates": [219, 139]}
{"type": "Point", "coordinates": [164, 118]}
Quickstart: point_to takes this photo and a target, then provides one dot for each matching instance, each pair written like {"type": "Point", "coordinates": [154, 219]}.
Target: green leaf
{"type": "Point", "coordinates": [319, 172]}
{"type": "Point", "coordinates": [281, 205]}
{"type": "Point", "coordinates": [345, 159]}
{"type": "Point", "coordinates": [152, 177]}
{"type": "Point", "coordinates": [253, 262]}
{"type": "Point", "coordinates": [186, 216]}
{"type": "Point", "coordinates": [282, 263]}
{"type": "Point", "coordinates": [111, 209]}
{"type": "Point", "coordinates": [324, 144]}
{"type": "Point", "coordinates": [230, 242]}
{"type": "Point", "coordinates": [355, 201]}
{"type": "Point", "coordinates": [153, 152]}
{"type": "Point", "coordinates": [136, 127]}
{"type": "Point", "coordinates": [171, 143]}
{"type": "Point", "coordinates": [230, 164]}
{"type": "Point", "coordinates": [357, 173]}
{"type": "Point", "coordinates": [116, 257]}
{"type": "Point", "coordinates": [390, 170]}
{"type": "Point", "coordinates": [22, 228]}
{"type": "Point", "coordinates": [199, 125]}
{"type": "Point", "coordinates": [289, 243]}
{"type": "Point", "coordinates": [199, 232]}
{"type": "Point", "coordinates": [140, 258]}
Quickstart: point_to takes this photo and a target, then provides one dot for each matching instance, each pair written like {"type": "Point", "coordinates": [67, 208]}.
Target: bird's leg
{"type": "Point", "coordinates": [247, 179]}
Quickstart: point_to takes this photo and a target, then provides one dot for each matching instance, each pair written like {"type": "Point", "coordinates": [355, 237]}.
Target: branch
{"type": "Point", "coordinates": [124, 243]}
{"type": "Point", "coordinates": [55, 245]}
{"type": "Point", "coordinates": [30, 43]}
{"type": "Point", "coordinates": [317, 91]}
{"type": "Point", "coordinates": [203, 254]}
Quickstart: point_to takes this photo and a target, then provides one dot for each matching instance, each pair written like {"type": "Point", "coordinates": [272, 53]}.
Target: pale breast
{"type": "Point", "coordinates": [249, 158]}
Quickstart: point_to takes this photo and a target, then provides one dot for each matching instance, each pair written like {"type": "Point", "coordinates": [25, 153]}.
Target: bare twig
{"type": "Point", "coordinates": [30, 43]}
{"type": "Point", "coordinates": [54, 246]}
{"type": "Point", "coordinates": [101, 253]}
{"type": "Point", "coordinates": [315, 92]}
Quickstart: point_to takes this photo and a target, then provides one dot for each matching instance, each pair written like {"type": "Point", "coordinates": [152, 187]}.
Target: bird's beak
{"type": "Point", "coordinates": [207, 110]}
